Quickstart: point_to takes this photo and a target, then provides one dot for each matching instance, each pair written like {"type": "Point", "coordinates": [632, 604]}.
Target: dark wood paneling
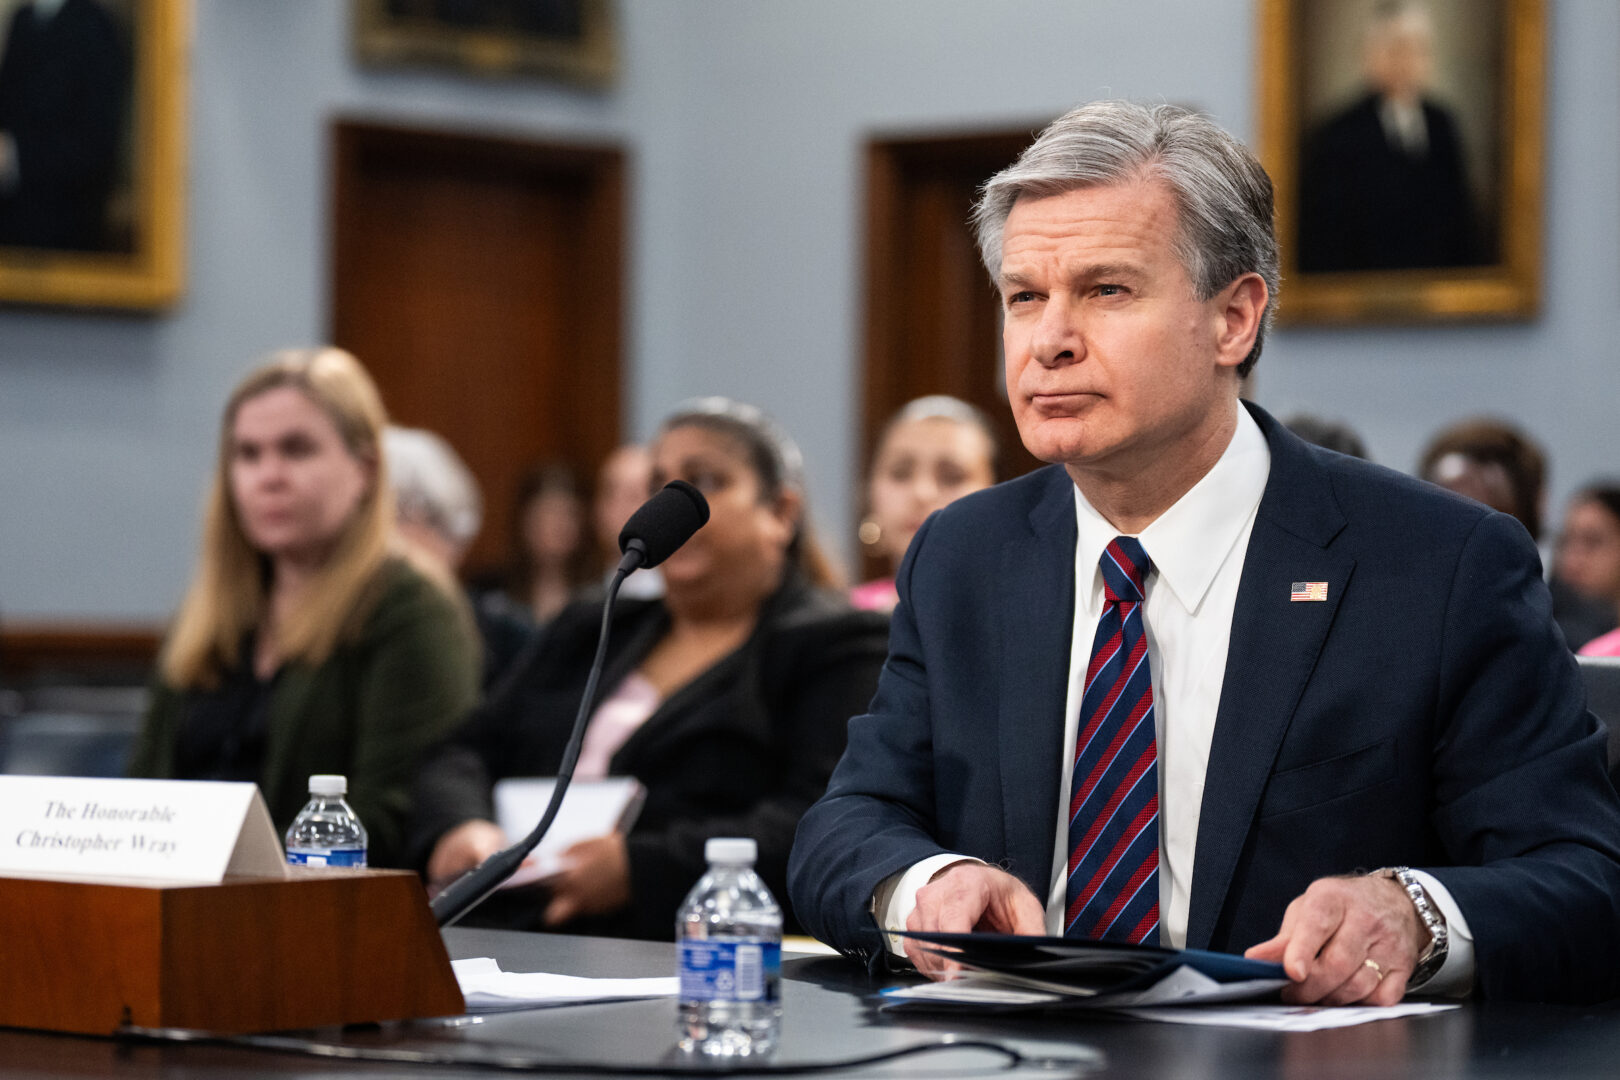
{"type": "Point", "coordinates": [321, 947]}
{"type": "Point", "coordinates": [88, 652]}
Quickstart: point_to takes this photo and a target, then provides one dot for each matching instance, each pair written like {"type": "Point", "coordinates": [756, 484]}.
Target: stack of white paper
{"type": "Point", "coordinates": [487, 988]}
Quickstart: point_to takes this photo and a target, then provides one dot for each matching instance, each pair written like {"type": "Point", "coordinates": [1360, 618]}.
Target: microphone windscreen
{"type": "Point", "coordinates": [666, 521]}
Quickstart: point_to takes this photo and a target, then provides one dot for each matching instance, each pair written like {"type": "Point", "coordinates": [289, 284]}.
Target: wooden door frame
{"type": "Point", "coordinates": [599, 168]}
{"type": "Point", "coordinates": [886, 161]}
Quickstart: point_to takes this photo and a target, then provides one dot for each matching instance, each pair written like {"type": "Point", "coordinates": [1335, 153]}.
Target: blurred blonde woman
{"type": "Point", "coordinates": [932, 452]}
{"type": "Point", "coordinates": [305, 643]}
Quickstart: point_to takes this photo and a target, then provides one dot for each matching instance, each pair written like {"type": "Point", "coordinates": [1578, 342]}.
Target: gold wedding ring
{"type": "Point", "coordinates": [1377, 970]}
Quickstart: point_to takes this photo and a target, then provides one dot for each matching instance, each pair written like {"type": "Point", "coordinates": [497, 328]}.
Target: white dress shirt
{"type": "Point", "coordinates": [1197, 548]}
{"type": "Point", "coordinates": [1404, 125]}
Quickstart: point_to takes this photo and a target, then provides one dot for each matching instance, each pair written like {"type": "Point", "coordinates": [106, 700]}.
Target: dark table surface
{"type": "Point", "coordinates": [828, 1013]}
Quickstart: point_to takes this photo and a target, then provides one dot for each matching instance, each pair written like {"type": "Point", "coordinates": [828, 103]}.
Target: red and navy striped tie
{"type": "Point", "coordinates": [1113, 888]}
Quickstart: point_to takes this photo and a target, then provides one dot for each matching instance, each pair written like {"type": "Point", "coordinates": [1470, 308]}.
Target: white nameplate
{"type": "Point", "coordinates": [162, 830]}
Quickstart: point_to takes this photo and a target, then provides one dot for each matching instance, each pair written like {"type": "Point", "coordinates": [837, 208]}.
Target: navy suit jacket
{"type": "Point", "coordinates": [1427, 714]}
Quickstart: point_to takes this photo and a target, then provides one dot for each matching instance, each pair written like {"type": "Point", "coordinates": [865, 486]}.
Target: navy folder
{"type": "Point", "coordinates": [1090, 967]}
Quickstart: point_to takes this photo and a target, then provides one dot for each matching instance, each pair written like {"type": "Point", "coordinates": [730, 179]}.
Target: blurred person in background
{"type": "Point", "coordinates": [623, 483]}
{"type": "Point", "coordinates": [1329, 434]}
{"type": "Point", "coordinates": [552, 556]}
{"type": "Point", "coordinates": [1493, 462]}
{"type": "Point", "coordinates": [932, 452]}
{"type": "Point", "coordinates": [308, 642]}
{"type": "Point", "coordinates": [1588, 555]}
{"type": "Point", "coordinates": [439, 511]}
{"type": "Point", "coordinates": [727, 698]}
{"type": "Point", "coordinates": [436, 498]}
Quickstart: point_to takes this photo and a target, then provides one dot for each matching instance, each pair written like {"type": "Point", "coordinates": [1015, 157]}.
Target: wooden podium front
{"type": "Point", "coordinates": [322, 946]}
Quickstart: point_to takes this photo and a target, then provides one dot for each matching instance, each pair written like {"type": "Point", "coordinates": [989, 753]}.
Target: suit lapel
{"type": "Point", "coordinates": [1273, 649]}
{"type": "Point", "coordinates": [1035, 605]}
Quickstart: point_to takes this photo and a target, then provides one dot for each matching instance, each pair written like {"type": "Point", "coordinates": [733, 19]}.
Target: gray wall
{"type": "Point", "coordinates": [744, 120]}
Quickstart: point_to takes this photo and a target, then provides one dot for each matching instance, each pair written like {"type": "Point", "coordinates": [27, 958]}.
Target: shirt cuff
{"type": "Point", "coordinates": [1456, 975]}
{"type": "Point", "coordinates": [896, 896]}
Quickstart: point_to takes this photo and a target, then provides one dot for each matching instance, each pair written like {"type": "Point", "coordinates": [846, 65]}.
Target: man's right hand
{"type": "Point", "coordinates": [970, 896]}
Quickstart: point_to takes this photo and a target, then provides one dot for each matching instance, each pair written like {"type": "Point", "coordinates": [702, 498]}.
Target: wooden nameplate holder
{"type": "Point", "coordinates": [251, 954]}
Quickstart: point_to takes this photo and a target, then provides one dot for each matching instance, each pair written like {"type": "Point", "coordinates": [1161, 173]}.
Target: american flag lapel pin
{"type": "Point", "coordinates": [1308, 591]}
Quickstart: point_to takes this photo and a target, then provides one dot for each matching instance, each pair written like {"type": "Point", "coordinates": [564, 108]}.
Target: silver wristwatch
{"type": "Point", "coordinates": [1439, 940]}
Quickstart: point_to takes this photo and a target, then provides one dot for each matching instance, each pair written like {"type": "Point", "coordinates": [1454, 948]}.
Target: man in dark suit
{"type": "Point", "coordinates": [1382, 183]}
{"type": "Point", "coordinates": [1202, 684]}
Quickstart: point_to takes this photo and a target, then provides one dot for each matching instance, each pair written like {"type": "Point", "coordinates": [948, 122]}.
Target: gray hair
{"type": "Point", "coordinates": [945, 407]}
{"type": "Point", "coordinates": [1389, 12]}
{"type": "Point", "coordinates": [1223, 194]}
{"type": "Point", "coordinates": [431, 483]}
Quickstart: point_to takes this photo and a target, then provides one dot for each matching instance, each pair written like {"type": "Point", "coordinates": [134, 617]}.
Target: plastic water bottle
{"type": "Point", "coordinates": [729, 935]}
{"type": "Point", "coordinates": [326, 831]}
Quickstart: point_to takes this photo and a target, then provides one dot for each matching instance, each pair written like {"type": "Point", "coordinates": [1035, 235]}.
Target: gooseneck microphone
{"type": "Point", "coordinates": [662, 524]}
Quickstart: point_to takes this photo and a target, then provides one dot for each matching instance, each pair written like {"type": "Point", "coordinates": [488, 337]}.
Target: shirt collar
{"type": "Point", "coordinates": [1189, 542]}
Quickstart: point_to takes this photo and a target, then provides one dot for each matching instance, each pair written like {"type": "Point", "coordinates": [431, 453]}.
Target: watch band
{"type": "Point", "coordinates": [1439, 939]}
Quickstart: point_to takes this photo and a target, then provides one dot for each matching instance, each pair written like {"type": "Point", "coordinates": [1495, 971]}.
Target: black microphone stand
{"type": "Point", "coordinates": [472, 888]}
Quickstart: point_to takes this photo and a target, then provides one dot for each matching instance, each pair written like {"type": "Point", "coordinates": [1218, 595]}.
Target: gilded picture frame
{"type": "Point", "coordinates": [571, 40]}
{"type": "Point", "coordinates": [1379, 224]}
{"type": "Point", "coordinates": [111, 234]}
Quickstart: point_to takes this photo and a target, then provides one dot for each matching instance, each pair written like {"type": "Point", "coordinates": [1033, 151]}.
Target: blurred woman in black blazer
{"type": "Point", "coordinates": [727, 698]}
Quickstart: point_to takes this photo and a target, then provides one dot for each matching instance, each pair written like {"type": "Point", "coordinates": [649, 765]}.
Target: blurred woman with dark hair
{"type": "Point", "coordinates": [727, 697]}
{"type": "Point", "coordinates": [552, 554]}
{"type": "Point", "coordinates": [1588, 558]}
{"type": "Point", "coordinates": [1493, 462]}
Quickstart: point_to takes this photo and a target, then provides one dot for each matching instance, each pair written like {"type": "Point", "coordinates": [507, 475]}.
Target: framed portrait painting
{"type": "Point", "coordinates": [92, 151]}
{"type": "Point", "coordinates": [1404, 138]}
{"type": "Point", "coordinates": [572, 40]}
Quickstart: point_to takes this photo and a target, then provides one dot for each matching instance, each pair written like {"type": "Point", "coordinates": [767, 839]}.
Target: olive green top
{"type": "Point", "coordinates": [383, 698]}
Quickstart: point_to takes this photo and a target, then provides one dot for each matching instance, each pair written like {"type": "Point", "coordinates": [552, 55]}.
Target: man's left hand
{"type": "Point", "coordinates": [1347, 940]}
{"type": "Point", "coordinates": [595, 880]}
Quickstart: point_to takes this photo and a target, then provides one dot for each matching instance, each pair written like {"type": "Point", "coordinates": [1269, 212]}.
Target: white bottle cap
{"type": "Point", "coordinates": [328, 784]}
{"type": "Point", "coordinates": [730, 850]}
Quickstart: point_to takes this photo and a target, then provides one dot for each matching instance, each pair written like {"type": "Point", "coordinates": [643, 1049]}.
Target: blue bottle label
{"type": "Point", "coordinates": [327, 856]}
{"type": "Point", "coordinates": [730, 970]}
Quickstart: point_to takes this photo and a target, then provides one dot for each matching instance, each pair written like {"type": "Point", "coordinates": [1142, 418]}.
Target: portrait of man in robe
{"type": "Point", "coordinates": [65, 125]}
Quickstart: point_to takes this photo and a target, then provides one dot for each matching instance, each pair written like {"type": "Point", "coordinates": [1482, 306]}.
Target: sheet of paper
{"type": "Point", "coordinates": [1182, 986]}
{"type": "Point", "coordinates": [1184, 997]}
{"type": "Point", "coordinates": [808, 946]}
{"type": "Point", "coordinates": [591, 808]}
{"type": "Point", "coordinates": [487, 988]}
{"type": "Point", "coordinates": [1286, 1017]}
{"type": "Point", "coordinates": [968, 991]}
